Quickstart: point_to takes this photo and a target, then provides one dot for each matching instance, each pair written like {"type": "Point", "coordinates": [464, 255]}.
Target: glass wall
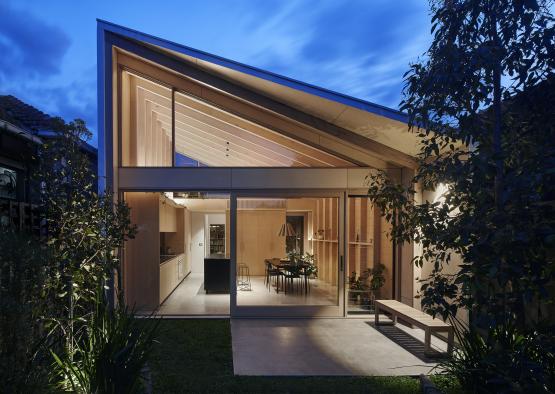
{"type": "Point", "coordinates": [146, 123]}
{"type": "Point", "coordinates": [370, 257]}
{"type": "Point", "coordinates": [287, 251]}
{"type": "Point", "coordinates": [178, 263]}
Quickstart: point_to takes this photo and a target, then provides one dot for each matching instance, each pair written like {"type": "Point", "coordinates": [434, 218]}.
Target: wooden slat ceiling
{"type": "Point", "coordinates": [219, 138]}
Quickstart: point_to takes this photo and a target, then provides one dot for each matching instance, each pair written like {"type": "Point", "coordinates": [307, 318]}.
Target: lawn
{"type": "Point", "coordinates": [195, 356]}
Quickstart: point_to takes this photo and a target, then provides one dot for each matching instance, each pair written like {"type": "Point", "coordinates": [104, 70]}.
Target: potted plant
{"type": "Point", "coordinates": [311, 269]}
{"type": "Point", "coordinates": [358, 286]}
{"type": "Point", "coordinates": [377, 279]}
{"type": "Point", "coordinates": [307, 259]}
{"type": "Point", "coordinates": [364, 288]}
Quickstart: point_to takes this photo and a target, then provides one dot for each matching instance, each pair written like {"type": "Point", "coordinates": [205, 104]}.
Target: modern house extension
{"type": "Point", "coordinates": [232, 173]}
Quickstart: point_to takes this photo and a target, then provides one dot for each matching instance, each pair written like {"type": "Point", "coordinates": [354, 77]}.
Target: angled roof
{"type": "Point", "coordinates": [256, 72]}
{"type": "Point", "coordinates": [374, 122]}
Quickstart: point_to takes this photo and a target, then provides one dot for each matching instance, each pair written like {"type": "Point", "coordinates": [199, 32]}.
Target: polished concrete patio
{"type": "Point", "coordinates": [340, 347]}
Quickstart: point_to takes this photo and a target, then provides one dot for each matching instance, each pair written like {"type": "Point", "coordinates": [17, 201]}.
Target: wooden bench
{"type": "Point", "coordinates": [417, 318]}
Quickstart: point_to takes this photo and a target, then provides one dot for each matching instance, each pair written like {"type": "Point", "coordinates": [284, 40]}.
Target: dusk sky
{"type": "Point", "coordinates": [360, 48]}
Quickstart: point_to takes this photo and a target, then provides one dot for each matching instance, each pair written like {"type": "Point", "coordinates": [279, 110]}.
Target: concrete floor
{"type": "Point", "coordinates": [320, 293]}
{"type": "Point", "coordinates": [340, 347]}
{"type": "Point", "coordinates": [189, 298]}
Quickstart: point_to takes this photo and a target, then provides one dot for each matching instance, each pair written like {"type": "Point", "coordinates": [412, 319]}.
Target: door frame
{"type": "Point", "coordinates": [290, 311]}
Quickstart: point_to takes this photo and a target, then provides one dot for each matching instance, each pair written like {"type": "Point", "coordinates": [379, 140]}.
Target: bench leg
{"type": "Point", "coordinates": [394, 319]}
{"type": "Point", "coordinates": [427, 342]}
{"type": "Point", "coordinates": [450, 340]}
{"type": "Point", "coordinates": [376, 316]}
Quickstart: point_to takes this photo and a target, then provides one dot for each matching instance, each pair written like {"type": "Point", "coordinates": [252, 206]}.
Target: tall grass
{"type": "Point", "coordinates": [108, 355]}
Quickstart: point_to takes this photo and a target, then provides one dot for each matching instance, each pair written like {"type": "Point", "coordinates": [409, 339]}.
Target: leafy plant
{"type": "Point", "coordinates": [377, 279]}
{"type": "Point", "coordinates": [311, 269]}
{"type": "Point", "coordinates": [108, 355]}
{"type": "Point", "coordinates": [369, 279]}
{"type": "Point", "coordinates": [505, 360]}
{"type": "Point", "coordinates": [358, 283]}
{"type": "Point", "coordinates": [84, 230]}
{"type": "Point", "coordinates": [307, 259]}
{"type": "Point", "coordinates": [96, 349]}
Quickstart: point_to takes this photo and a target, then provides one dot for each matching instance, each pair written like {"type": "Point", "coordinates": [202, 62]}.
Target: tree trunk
{"type": "Point", "coordinates": [497, 118]}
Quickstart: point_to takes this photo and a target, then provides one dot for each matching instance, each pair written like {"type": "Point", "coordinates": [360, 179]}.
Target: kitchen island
{"type": "Point", "coordinates": [216, 274]}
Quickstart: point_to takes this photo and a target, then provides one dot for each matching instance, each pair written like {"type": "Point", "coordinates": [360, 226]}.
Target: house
{"type": "Point", "coordinates": [232, 173]}
{"type": "Point", "coordinates": [23, 129]}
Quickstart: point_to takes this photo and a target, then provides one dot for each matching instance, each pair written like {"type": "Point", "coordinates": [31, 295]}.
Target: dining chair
{"type": "Point", "coordinates": [271, 272]}
{"type": "Point", "coordinates": [290, 275]}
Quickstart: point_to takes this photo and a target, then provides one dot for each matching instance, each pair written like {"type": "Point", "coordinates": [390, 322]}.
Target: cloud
{"type": "Point", "coordinates": [354, 47]}
{"type": "Point", "coordinates": [30, 48]}
{"type": "Point", "coordinates": [32, 68]}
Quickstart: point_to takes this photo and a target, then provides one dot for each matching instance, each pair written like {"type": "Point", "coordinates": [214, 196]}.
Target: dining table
{"type": "Point", "coordinates": [288, 266]}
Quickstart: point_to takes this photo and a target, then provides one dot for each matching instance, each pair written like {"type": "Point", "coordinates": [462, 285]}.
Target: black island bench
{"type": "Point", "coordinates": [216, 274]}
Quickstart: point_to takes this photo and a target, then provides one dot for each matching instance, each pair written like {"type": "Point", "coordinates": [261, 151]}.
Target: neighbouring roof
{"type": "Point", "coordinates": [31, 119]}
{"type": "Point", "coordinates": [375, 122]}
{"type": "Point", "coordinates": [23, 115]}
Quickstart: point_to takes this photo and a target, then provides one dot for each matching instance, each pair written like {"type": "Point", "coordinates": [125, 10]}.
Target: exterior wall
{"type": "Point", "coordinates": [230, 179]}
{"type": "Point", "coordinates": [425, 271]}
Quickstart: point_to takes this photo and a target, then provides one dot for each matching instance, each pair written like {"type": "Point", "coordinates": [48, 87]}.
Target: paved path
{"type": "Point", "coordinates": [311, 347]}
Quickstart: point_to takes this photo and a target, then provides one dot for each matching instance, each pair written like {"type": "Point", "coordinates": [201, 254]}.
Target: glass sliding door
{"type": "Point", "coordinates": [370, 256]}
{"type": "Point", "coordinates": [288, 253]}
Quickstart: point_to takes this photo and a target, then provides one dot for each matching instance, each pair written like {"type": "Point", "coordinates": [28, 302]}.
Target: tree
{"type": "Point", "coordinates": [482, 102]}
{"type": "Point", "coordinates": [84, 229]}
{"type": "Point", "coordinates": [96, 346]}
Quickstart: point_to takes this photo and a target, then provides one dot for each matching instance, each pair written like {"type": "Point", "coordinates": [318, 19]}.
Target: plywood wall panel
{"type": "Point", "coordinates": [258, 239]}
{"type": "Point", "coordinates": [141, 254]}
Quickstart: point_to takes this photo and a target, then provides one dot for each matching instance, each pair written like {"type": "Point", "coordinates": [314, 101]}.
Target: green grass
{"type": "Point", "coordinates": [194, 356]}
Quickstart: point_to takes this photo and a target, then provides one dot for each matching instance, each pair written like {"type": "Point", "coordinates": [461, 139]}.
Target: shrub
{"type": "Point", "coordinates": [504, 360]}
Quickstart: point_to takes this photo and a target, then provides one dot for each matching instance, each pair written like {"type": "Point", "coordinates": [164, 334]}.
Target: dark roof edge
{"type": "Point", "coordinates": [256, 72]}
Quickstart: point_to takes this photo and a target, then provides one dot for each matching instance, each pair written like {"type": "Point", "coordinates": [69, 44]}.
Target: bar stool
{"type": "Point", "coordinates": [243, 278]}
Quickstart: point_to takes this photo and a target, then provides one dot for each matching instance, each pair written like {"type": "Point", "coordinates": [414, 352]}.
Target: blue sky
{"type": "Point", "coordinates": [360, 48]}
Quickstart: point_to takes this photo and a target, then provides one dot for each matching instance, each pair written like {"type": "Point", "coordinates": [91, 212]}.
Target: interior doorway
{"type": "Point", "coordinates": [294, 241]}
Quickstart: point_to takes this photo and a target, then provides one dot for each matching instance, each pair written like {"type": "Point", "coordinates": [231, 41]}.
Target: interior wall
{"type": "Point", "coordinates": [188, 240]}
{"type": "Point", "coordinates": [258, 239]}
{"type": "Point", "coordinates": [141, 254]}
{"type": "Point", "coordinates": [197, 242]}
